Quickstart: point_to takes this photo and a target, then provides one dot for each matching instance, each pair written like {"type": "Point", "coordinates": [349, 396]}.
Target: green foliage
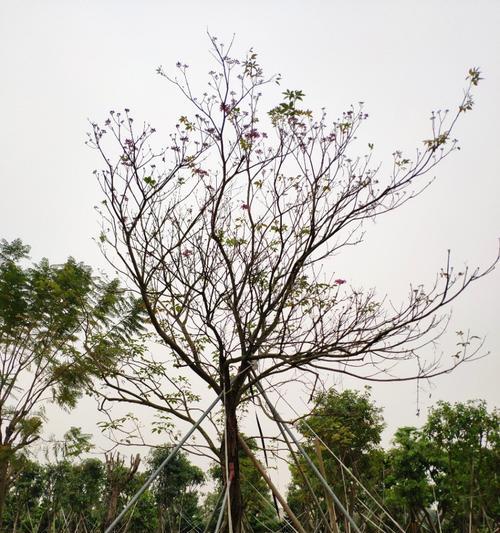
{"type": "Point", "coordinates": [54, 321]}
{"type": "Point", "coordinates": [452, 463]}
{"type": "Point", "coordinates": [60, 327]}
{"type": "Point", "coordinates": [259, 506]}
{"type": "Point", "coordinates": [348, 422]}
{"type": "Point", "coordinates": [174, 491]}
{"type": "Point", "coordinates": [446, 471]}
{"type": "Point", "coordinates": [75, 443]}
{"type": "Point", "coordinates": [288, 109]}
{"type": "Point", "coordinates": [435, 143]}
{"type": "Point", "coordinates": [408, 481]}
{"type": "Point", "coordinates": [466, 438]}
{"type": "Point", "coordinates": [23, 499]}
{"type": "Point", "coordinates": [58, 496]}
{"type": "Point", "coordinates": [349, 425]}
{"type": "Point", "coordinates": [144, 518]}
{"type": "Point", "coordinates": [474, 76]}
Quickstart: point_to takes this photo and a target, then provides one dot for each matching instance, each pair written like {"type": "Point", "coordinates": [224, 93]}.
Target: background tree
{"type": "Point", "coordinates": [425, 481]}
{"type": "Point", "coordinates": [144, 518]}
{"type": "Point", "coordinates": [22, 504]}
{"type": "Point", "coordinates": [408, 480]}
{"type": "Point", "coordinates": [175, 492]}
{"type": "Point", "coordinates": [70, 501]}
{"type": "Point", "coordinates": [224, 233]}
{"type": "Point", "coordinates": [445, 473]}
{"type": "Point", "coordinates": [61, 493]}
{"type": "Point", "coordinates": [118, 478]}
{"type": "Point", "coordinates": [259, 507]}
{"type": "Point", "coordinates": [51, 318]}
{"type": "Point", "coordinates": [71, 495]}
{"type": "Point", "coordinates": [349, 426]}
{"type": "Point", "coordinates": [466, 439]}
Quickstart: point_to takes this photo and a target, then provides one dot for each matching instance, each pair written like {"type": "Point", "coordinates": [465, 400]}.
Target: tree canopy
{"type": "Point", "coordinates": [56, 323]}
{"type": "Point", "coordinates": [225, 232]}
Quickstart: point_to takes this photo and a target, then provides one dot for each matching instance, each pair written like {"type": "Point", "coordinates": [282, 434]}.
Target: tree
{"type": "Point", "coordinates": [144, 518]}
{"type": "Point", "coordinates": [52, 317]}
{"type": "Point", "coordinates": [344, 426]}
{"type": "Point", "coordinates": [71, 489]}
{"type": "Point", "coordinates": [59, 493]}
{"type": "Point", "coordinates": [73, 496]}
{"type": "Point", "coordinates": [408, 481]}
{"type": "Point", "coordinates": [174, 492]}
{"type": "Point", "coordinates": [224, 231]}
{"type": "Point", "coordinates": [22, 503]}
{"type": "Point", "coordinates": [259, 509]}
{"type": "Point", "coordinates": [118, 478]}
{"type": "Point", "coordinates": [445, 473]}
{"type": "Point", "coordinates": [465, 437]}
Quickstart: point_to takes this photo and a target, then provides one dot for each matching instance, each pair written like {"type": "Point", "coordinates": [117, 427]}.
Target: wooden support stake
{"type": "Point", "coordinates": [329, 502]}
{"type": "Point", "coordinates": [271, 485]}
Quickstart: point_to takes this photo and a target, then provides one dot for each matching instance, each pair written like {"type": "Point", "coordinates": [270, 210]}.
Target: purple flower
{"type": "Point", "coordinates": [252, 134]}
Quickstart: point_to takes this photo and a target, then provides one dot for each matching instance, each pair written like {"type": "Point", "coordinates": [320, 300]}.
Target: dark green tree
{"type": "Point", "coordinates": [59, 324]}
{"type": "Point", "coordinates": [23, 505]}
{"type": "Point", "coordinates": [118, 479]}
{"type": "Point", "coordinates": [446, 473]}
{"type": "Point", "coordinates": [72, 495]}
{"type": "Point", "coordinates": [260, 512]}
{"type": "Point", "coordinates": [175, 492]}
{"type": "Point", "coordinates": [349, 425]}
{"type": "Point", "coordinates": [466, 438]}
{"type": "Point", "coordinates": [409, 492]}
{"type": "Point", "coordinates": [144, 517]}
{"type": "Point", "coordinates": [71, 486]}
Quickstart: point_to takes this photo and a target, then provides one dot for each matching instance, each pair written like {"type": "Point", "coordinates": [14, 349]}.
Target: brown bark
{"type": "Point", "coordinates": [4, 485]}
{"type": "Point", "coordinates": [112, 505]}
{"type": "Point", "coordinates": [232, 468]}
{"type": "Point", "coordinates": [413, 522]}
{"type": "Point", "coordinates": [118, 479]}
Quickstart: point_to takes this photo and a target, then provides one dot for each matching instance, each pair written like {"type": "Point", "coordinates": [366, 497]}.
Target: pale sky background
{"type": "Point", "coordinates": [63, 62]}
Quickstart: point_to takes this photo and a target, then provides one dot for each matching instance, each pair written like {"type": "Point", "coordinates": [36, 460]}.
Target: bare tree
{"type": "Point", "coordinates": [117, 479]}
{"type": "Point", "coordinates": [225, 234]}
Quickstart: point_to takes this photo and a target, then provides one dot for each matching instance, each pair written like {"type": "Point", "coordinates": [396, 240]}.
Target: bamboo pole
{"type": "Point", "coordinates": [271, 485]}
{"type": "Point", "coordinates": [329, 500]}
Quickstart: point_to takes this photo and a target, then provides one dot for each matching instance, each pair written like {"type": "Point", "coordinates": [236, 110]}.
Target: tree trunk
{"type": "Point", "coordinates": [4, 485]}
{"type": "Point", "coordinates": [413, 522]}
{"type": "Point", "coordinates": [232, 468]}
{"type": "Point", "coordinates": [112, 506]}
{"type": "Point", "coordinates": [118, 477]}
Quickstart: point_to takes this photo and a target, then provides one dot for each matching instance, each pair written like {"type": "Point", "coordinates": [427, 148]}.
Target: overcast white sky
{"type": "Point", "coordinates": [63, 62]}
